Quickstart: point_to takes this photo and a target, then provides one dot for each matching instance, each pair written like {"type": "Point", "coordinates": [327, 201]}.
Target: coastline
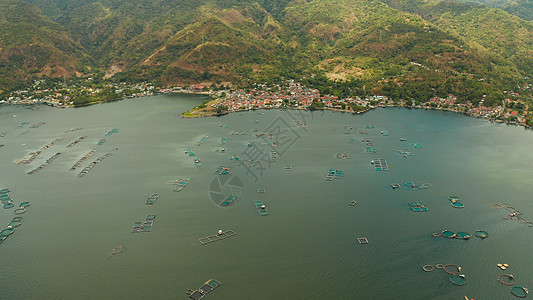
{"type": "Point", "coordinates": [204, 115]}
{"type": "Point", "coordinates": [192, 113]}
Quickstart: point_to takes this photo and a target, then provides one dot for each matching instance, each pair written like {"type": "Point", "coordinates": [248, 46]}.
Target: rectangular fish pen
{"type": "Point", "coordinates": [417, 185]}
{"type": "Point", "coordinates": [273, 155]}
{"type": "Point", "coordinates": [208, 287]}
{"type": "Point", "coordinates": [222, 170]}
{"type": "Point", "coordinates": [217, 237]}
{"type": "Point", "coordinates": [370, 150]}
{"type": "Point", "coordinates": [261, 208]}
{"type": "Point", "coordinates": [342, 155]}
{"type": "Point", "coordinates": [151, 200]}
{"type": "Point", "coordinates": [418, 206]}
{"type": "Point", "coordinates": [144, 226]}
{"type": "Point", "coordinates": [202, 140]}
{"type": "Point", "coordinates": [229, 200]}
{"type": "Point", "coordinates": [334, 174]}
{"type": "Point", "coordinates": [189, 152]}
{"type": "Point", "coordinates": [180, 184]}
{"type": "Point", "coordinates": [380, 164]}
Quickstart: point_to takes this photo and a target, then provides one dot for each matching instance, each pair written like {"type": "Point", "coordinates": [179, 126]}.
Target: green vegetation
{"type": "Point", "coordinates": [405, 49]}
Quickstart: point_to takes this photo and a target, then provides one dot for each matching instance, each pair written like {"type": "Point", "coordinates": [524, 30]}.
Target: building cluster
{"type": "Point", "coordinates": [61, 94]}
{"type": "Point", "coordinates": [291, 94]}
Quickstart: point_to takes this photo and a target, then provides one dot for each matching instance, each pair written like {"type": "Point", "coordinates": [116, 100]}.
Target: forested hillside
{"type": "Point", "coordinates": [409, 48]}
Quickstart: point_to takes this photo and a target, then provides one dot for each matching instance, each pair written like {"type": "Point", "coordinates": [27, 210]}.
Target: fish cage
{"type": "Point", "coordinates": [362, 240]}
{"type": "Point", "coordinates": [229, 200]}
{"type": "Point", "coordinates": [19, 211]}
{"type": "Point", "coordinates": [418, 206]}
{"type": "Point", "coordinates": [7, 232]}
{"type": "Point", "coordinates": [428, 268]}
{"type": "Point", "coordinates": [370, 150]}
{"type": "Point", "coordinates": [14, 224]}
{"type": "Point", "coordinates": [448, 234]}
{"type": "Point", "coordinates": [189, 152]}
{"type": "Point", "coordinates": [380, 164]}
{"type": "Point", "coordinates": [206, 288]}
{"type": "Point", "coordinates": [452, 269]}
{"type": "Point", "coordinates": [110, 132]}
{"type": "Point", "coordinates": [519, 291]}
{"type": "Point", "coordinates": [463, 235]}
{"type": "Point", "coordinates": [217, 237]}
{"type": "Point", "coordinates": [405, 152]}
{"type": "Point", "coordinates": [507, 279]}
{"type": "Point", "coordinates": [417, 185]}
{"type": "Point", "coordinates": [261, 208]}
{"type": "Point", "coordinates": [458, 279]}
{"type": "Point", "coordinates": [342, 155]}
{"type": "Point", "coordinates": [222, 170]}
{"type": "Point", "coordinates": [457, 205]}
{"type": "Point", "coordinates": [481, 234]}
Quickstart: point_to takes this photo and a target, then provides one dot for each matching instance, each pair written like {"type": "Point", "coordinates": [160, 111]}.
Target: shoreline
{"type": "Point", "coordinates": [205, 114]}
{"type": "Point", "coordinates": [360, 112]}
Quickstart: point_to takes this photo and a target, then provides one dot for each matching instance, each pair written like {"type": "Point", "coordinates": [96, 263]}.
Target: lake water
{"type": "Point", "coordinates": [306, 248]}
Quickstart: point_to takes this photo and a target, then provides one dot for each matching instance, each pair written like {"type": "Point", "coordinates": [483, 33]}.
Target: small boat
{"type": "Point", "coordinates": [353, 203]}
{"type": "Point", "coordinates": [403, 140]}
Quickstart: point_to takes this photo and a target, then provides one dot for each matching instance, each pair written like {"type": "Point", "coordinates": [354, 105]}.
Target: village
{"type": "Point", "coordinates": [290, 94]}
{"type": "Point", "coordinates": [295, 96]}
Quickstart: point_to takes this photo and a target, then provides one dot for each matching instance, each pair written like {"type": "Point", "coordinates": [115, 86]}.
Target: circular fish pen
{"type": "Point", "coordinates": [448, 234]}
{"type": "Point", "coordinates": [454, 198]}
{"type": "Point", "coordinates": [481, 234]}
{"type": "Point", "coordinates": [457, 204]}
{"type": "Point", "coordinates": [117, 250]}
{"type": "Point", "coordinates": [507, 279]}
{"type": "Point", "coordinates": [25, 204]}
{"type": "Point", "coordinates": [19, 211]}
{"type": "Point", "coordinates": [519, 291]}
{"type": "Point", "coordinates": [439, 266]}
{"type": "Point", "coordinates": [14, 224]}
{"type": "Point", "coordinates": [462, 235]}
{"type": "Point", "coordinates": [6, 232]}
{"type": "Point", "coordinates": [436, 234]}
{"type": "Point", "coordinates": [452, 269]}
{"type": "Point", "coordinates": [428, 268]}
{"type": "Point", "coordinates": [458, 279]}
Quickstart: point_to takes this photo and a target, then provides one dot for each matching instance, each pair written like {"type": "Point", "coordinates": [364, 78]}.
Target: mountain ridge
{"type": "Point", "coordinates": [183, 42]}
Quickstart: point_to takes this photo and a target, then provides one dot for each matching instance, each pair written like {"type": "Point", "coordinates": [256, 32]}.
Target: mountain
{"type": "Point", "coordinates": [520, 8]}
{"type": "Point", "coordinates": [506, 39]}
{"type": "Point", "coordinates": [33, 45]}
{"type": "Point", "coordinates": [435, 46]}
